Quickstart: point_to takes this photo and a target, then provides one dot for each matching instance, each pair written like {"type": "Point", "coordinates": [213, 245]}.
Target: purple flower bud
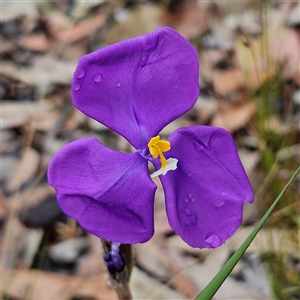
{"type": "Point", "coordinates": [114, 260]}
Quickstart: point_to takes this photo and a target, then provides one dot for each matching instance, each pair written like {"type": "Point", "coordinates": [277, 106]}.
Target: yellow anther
{"type": "Point", "coordinates": [157, 147]}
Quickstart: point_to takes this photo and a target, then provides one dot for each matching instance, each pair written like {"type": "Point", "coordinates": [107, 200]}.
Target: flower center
{"type": "Point", "coordinates": [157, 147]}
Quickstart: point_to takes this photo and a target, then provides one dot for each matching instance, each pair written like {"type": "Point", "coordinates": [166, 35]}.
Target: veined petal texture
{"type": "Point", "coordinates": [206, 193]}
{"type": "Point", "coordinates": [138, 86]}
{"type": "Point", "coordinates": [109, 193]}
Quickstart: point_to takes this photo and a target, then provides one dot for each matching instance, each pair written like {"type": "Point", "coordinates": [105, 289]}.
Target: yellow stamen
{"type": "Point", "coordinates": [157, 147]}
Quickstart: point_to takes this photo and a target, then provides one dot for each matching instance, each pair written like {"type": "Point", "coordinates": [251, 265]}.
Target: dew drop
{"type": "Point", "coordinates": [189, 175]}
{"type": "Point", "coordinates": [97, 77]}
{"type": "Point", "coordinates": [213, 240]}
{"type": "Point", "coordinates": [193, 199]}
{"type": "Point", "coordinates": [186, 200]}
{"type": "Point", "coordinates": [190, 195]}
{"type": "Point", "coordinates": [218, 203]}
{"type": "Point", "coordinates": [76, 86]}
{"type": "Point", "coordinates": [118, 84]}
{"type": "Point", "coordinates": [194, 219]}
{"type": "Point", "coordinates": [187, 211]}
{"type": "Point", "coordinates": [80, 73]}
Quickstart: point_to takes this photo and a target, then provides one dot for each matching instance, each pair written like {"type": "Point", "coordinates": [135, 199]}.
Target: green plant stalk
{"type": "Point", "coordinates": [209, 291]}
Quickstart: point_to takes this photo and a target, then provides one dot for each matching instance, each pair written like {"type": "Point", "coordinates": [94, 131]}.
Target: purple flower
{"type": "Point", "coordinates": [137, 87]}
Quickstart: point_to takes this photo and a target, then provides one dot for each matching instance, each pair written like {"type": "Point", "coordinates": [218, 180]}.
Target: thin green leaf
{"type": "Point", "coordinates": [209, 291]}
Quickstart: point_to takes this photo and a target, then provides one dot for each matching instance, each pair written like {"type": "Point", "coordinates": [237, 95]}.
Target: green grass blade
{"type": "Point", "coordinates": [209, 291]}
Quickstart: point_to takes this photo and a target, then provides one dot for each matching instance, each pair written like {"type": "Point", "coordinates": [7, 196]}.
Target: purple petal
{"type": "Point", "coordinates": [138, 86]}
{"type": "Point", "coordinates": [109, 193]}
{"type": "Point", "coordinates": [205, 194]}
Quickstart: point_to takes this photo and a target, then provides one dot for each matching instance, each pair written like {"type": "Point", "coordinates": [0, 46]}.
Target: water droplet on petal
{"type": "Point", "coordinates": [118, 84]}
{"type": "Point", "coordinates": [194, 219]}
{"type": "Point", "coordinates": [190, 195]}
{"type": "Point", "coordinates": [193, 199]}
{"type": "Point", "coordinates": [80, 73]}
{"type": "Point", "coordinates": [218, 203]}
{"type": "Point", "coordinates": [213, 240]}
{"type": "Point", "coordinates": [186, 200]}
{"type": "Point", "coordinates": [189, 175]}
{"type": "Point", "coordinates": [187, 211]}
{"type": "Point", "coordinates": [76, 86]}
{"type": "Point", "coordinates": [97, 77]}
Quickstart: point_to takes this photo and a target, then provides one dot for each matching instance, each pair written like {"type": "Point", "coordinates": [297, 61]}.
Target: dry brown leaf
{"type": "Point", "coordinates": [13, 244]}
{"type": "Point", "coordinates": [26, 168]}
{"type": "Point", "coordinates": [56, 22]}
{"type": "Point", "coordinates": [37, 42]}
{"type": "Point", "coordinates": [15, 121]}
{"type": "Point", "coordinates": [151, 256]}
{"type": "Point", "coordinates": [233, 118]}
{"type": "Point", "coordinates": [35, 195]}
{"type": "Point", "coordinates": [45, 120]}
{"type": "Point", "coordinates": [145, 287]}
{"type": "Point", "coordinates": [141, 20]}
{"type": "Point", "coordinates": [15, 114]}
{"type": "Point", "coordinates": [228, 81]}
{"type": "Point", "coordinates": [178, 265]}
{"type": "Point", "coordinates": [188, 21]}
{"type": "Point", "coordinates": [34, 284]}
{"type": "Point", "coordinates": [73, 51]}
{"type": "Point", "coordinates": [82, 29]}
{"type": "Point", "coordinates": [45, 71]}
